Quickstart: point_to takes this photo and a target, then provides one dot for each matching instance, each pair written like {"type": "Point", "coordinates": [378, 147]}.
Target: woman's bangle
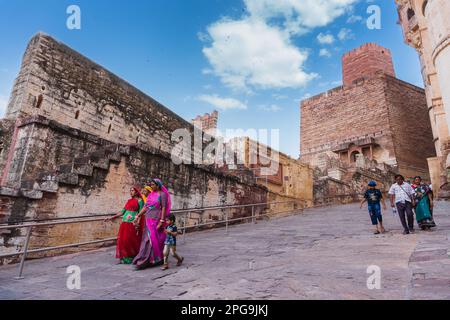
{"type": "Point", "coordinates": [161, 220]}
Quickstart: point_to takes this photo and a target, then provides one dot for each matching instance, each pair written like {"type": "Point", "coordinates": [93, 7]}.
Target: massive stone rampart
{"type": "Point", "coordinates": [76, 137]}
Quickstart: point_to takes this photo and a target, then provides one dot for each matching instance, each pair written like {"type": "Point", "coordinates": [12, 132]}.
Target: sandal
{"type": "Point", "coordinates": [165, 267]}
{"type": "Point", "coordinates": [180, 262]}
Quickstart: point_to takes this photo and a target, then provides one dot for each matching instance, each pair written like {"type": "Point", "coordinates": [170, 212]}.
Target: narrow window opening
{"type": "Point", "coordinates": [39, 101]}
{"type": "Point", "coordinates": [424, 7]}
{"type": "Point", "coordinates": [410, 14]}
{"type": "Point", "coordinates": [109, 129]}
{"type": "Point", "coordinates": [77, 114]}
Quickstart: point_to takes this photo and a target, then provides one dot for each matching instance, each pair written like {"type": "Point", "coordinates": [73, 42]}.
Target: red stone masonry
{"type": "Point", "coordinates": [374, 104]}
{"type": "Point", "coordinates": [208, 122]}
{"type": "Point", "coordinates": [365, 62]}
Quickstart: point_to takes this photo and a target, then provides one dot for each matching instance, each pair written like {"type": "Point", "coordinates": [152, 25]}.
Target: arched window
{"type": "Point", "coordinates": [39, 101]}
{"type": "Point", "coordinates": [354, 156]}
{"type": "Point", "coordinates": [410, 13]}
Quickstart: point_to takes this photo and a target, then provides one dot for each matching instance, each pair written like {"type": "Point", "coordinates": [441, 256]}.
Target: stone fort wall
{"type": "Point", "coordinates": [326, 119]}
{"type": "Point", "coordinates": [76, 137]}
{"type": "Point", "coordinates": [60, 84]}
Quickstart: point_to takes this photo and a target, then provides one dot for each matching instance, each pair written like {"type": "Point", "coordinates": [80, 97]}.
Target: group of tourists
{"type": "Point", "coordinates": [148, 231]}
{"type": "Point", "coordinates": [406, 200]}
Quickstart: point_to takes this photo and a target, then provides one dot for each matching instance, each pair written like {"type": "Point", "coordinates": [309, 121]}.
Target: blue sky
{"type": "Point", "coordinates": [252, 60]}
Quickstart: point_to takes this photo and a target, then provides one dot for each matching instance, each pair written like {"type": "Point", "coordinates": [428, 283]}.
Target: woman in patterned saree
{"type": "Point", "coordinates": [129, 237]}
{"type": "Point", "coordinates": [155, 210]}
{"type": "Point", "coordinates": [424, 204]}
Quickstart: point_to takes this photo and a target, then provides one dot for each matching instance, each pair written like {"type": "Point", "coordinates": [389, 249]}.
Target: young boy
{"type": "Point", "coordinates": [373, 197]}
{"type": "Point", "coordinates": [171, 242]}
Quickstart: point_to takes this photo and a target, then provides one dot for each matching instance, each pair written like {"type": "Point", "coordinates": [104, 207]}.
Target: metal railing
{"type": "Point", "coordinates": [30, 226]}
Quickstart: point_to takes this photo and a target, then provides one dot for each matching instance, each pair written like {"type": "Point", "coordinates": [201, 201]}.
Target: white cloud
{"type": "Point", "coordinates": [3, 105]}
{"type": "Point", "coordinates": [207, 71]}
{"type": "Point", "coordinates": [278, 96]}
{"type": "Point", "coordinates": [345, 34]}
{"type": "Point", "coordinates": [306, 96]}
{"type": "Point", "coordinates": [222, 103]}
{"type": "Point", "coordinates": [249, 53]}
{"type": "Point", "coordinates": [271, 108]}
{"type": "Point", "coordinates": [325, 38]}
{"type": "Point", "coordinates": [354, 18]}
{"type": "Point", "coordinates": [257, 51]}
{"type": "Point", "coordinates": [324, 53]}
{"type": "Point", "coordinates": [203, 37]}
{"type": "Point", "coordinates": [300, 15]}
{"type": "Point", "coordinates": [336, 83]}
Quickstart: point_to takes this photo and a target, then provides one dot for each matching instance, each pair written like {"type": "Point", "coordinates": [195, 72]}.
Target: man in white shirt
{"type": "Point", "coordinates": [401, 196]}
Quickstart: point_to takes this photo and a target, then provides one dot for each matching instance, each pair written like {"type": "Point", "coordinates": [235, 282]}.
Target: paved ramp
{"type": "Point", "coordinates": [321, 254]}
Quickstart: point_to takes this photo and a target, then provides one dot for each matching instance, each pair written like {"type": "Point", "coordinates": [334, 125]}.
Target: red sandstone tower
{"type": "Point", "coordinates": [367, 118]}
{"type": "Point", "coordinates": [364, 62]}
{"type": "Point", "coordinates": [207, 122]}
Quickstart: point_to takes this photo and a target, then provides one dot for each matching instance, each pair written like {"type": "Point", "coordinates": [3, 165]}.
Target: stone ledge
{"type": "Point", "coordinates": [68, 173]}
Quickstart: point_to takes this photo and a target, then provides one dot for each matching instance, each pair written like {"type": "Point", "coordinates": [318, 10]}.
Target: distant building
{"type": "Point", "coordinates": [426, 27]}
{"type": "Point", "coordinates": [285, 177]}
{"type": "Point", "coordinates": [207, 122]}
{"type": "Point", "coordinates": [373, 118]}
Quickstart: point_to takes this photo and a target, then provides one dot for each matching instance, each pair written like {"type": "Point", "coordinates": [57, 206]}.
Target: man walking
{"type": "Point", "coordinates": [401, 197]}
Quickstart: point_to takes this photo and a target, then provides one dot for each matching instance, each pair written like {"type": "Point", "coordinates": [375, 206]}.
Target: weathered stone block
{"type": "Point", "coordinates": [32, 194]}
{"type": "Point", "coordinates": [68, 178]}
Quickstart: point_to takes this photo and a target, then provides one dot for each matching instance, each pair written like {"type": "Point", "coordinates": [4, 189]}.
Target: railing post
{"type": "Point", "coordinates": [184, 225]}
{"type": "Point", "coordinates": [226, 221]}
{"type": "Point", "coordinates": [253, 214]}
{"type": "Point", "coordinates": [24, 255]}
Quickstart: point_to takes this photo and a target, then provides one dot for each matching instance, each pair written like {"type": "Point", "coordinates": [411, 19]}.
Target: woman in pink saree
{"type": "Point", "coordinates": [156, 209]}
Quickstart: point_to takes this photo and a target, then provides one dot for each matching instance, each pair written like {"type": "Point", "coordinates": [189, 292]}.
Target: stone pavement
{"type": "Point", "coordinates": [321, 254]}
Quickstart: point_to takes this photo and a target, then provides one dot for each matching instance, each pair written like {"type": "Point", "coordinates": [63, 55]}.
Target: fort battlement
{"type": "Point", "coordinates": [379, 75]}
{"type": "Point", "coordinates": [62, 85]}
{"type": "Point", "coordinates": [365, 62]}
{"type": "Point", "coordinates": [75, 139]}
{"type": "Point", "coordinates": [373, 104]}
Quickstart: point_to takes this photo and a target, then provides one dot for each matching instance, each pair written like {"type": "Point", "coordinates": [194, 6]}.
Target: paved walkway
{"type": "Point", "coordinates": [321, 254]}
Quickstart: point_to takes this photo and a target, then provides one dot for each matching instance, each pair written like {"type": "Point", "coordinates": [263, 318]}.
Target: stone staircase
{"type": "Point", "coordinates": [69, 174]}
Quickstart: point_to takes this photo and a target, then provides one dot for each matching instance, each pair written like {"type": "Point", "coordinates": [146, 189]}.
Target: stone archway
{"type": "Point", "coordinates": [354, 156]}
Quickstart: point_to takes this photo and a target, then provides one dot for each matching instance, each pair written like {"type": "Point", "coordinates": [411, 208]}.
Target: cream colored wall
{"type": "Point", "coordinates": [432, 42]}
{"type": "Point", "coordinates": [300, 177]}
{"type": "Point", "coordinates": [437, 15]}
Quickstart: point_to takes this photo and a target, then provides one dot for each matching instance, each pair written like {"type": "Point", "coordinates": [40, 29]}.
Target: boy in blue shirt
{"type": "Point", "coordinates": [374, 197]}
{"type": "Point", "coordinates": [170, 244]}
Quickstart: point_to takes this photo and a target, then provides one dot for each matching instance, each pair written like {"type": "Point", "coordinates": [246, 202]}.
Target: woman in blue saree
{"type": "Point", "coordinates": [424, 204]}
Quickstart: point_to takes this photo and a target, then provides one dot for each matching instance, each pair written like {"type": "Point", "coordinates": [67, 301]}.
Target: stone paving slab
{"type": "Point", "coordinates": [323, 253]}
